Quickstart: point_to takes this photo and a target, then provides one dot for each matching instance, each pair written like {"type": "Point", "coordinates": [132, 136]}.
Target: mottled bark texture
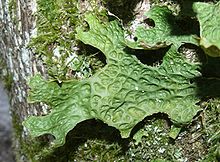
{"type": "Point", "coordinates": [17, 25]}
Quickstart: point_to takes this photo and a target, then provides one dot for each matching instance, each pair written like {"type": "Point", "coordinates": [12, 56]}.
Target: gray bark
{"type": "Point", "coordinates": [17, 25]}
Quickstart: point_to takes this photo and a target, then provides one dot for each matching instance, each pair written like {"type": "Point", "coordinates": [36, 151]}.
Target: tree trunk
{"type": "Point", "coordinates": [17, 25]}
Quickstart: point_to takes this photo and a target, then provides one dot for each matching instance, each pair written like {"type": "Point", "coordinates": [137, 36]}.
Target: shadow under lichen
{"type": "Point", "coordinates": [90, 140]}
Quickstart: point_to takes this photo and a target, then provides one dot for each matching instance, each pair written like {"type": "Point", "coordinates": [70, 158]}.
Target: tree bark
{"type": "Point", "coordinates": [17, 25]}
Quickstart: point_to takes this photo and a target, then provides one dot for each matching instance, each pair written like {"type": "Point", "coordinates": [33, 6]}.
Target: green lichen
{"type": "Point", "coordinates": [101, 95]}
{"type": "Point", "coordinates": [209, 19]}
{"type": "Point", "coordinates": [164, 32]}
{"type": "Point", "coordinates": [122, 94]}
